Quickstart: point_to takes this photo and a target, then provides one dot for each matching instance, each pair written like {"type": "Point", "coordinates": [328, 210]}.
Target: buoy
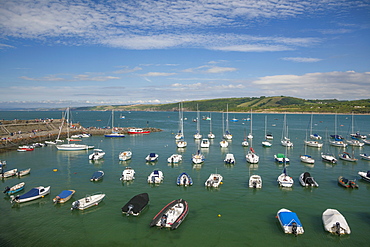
{"type": "Point", "coordinates": [55, 170]}
{"type": "Point", "coordinates": [221, 183]}
{"type": "Point", "coordinates": [219, 215]}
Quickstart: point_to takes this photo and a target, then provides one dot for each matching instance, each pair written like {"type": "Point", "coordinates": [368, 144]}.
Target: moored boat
{"type": "Point", "coordinates": [172, 215]}
{"type": "Point", "coordinates": [136, 204]}
{"type": "Point", "coordinates": [281, 158]}
{"type": "Point", "coordinates": [184, 179]}
{"type": "Point", "coordinates": [307, 180]}
{"type": "Point", "coordinates": [334, 222]}
{"type": "Point", "coordinates": [229, 159]}
{"type": "Point", "coordinates": [198, 158]}
{"type": "Point", "coordinates": [284, 180]}
{"type": "Point", "coordinates": [88, 201]}
{"type": "Point", "coordinates": [252, 157]}
{"type": "Point", "coordinates": [128, 174]}
{"type": "Point", "coordinates": [307, 159]}
{"type": "Point", "coordinates": [365, 156]}
{"type": "Point", "coordinates": [255, 181]}
{"type": "Point", "coordinates": [98, 175]}
{"type": "Point", "coordinates": [204, 143]}
{"type": "Point", "coordinates": [290, 222]}
{"type": "Point", "coordinates": [347, 157]}
{"type": "Point", "coordinates": [14, 189]}
{"type": "Point", "coordinates": [155, 177]}
{"type": "Point", "coordinates": [97, 154]}
{"type": "Point", "coordinates": [64, 196]}
{"type": "Point", "coordinates": [33, 194]}
{"type": "Point", "coordinates": [214, 180]}
{"type": "Point", "coordinates": [125, 155]}
{"type": "Point", "coordinates": [23, 172]}
{"type": "Point", "coordinates": [328, 157]}
{"type": "Point", "coordinates": [152, 157]}
{"type": "Point", "coordinates": [25, 148]}
{"type": "Point", "coordinates": [138, 131]}
{"type": "Point", "coordinates": [346, 182]}
{"type": "Point", "coordinates": [365, 175]}
{"type": "Point", "coordinates": [174, 158]}
{"type": "Point", "coordinates": [9, 173]}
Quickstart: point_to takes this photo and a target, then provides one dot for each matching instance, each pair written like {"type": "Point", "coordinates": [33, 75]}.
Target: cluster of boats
{"type": "Point", "coordinates": [13, 172]}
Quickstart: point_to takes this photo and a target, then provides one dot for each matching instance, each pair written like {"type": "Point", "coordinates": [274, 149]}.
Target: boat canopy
{"type": "Point", "coordinates": [152, 155]}
{"type": "Point", "coordinates": [281, 156]}
{"type": "Point", "coordinates": [287, 218]}
{"type": "Point", "coordinates": [33, 192]}
{"type": "Point", "coordinates": [65, 193]}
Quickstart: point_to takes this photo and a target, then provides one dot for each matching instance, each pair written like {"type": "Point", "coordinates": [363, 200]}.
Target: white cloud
{"type": "Point", "coordinates": [81, 77]}
{"type": "Point", "coordinates": [157, 74]}
{"type": "Point", "coordinates": [302, 59]}
{"type": "Point", "coordinates": [126, 70]}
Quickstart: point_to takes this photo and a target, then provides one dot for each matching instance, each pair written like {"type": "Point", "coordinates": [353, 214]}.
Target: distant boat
{"type": "Point", "coordinates": [365, 156]}
{"type": "Point", "coordinates": [227, 135]}
{"type": "Point", "coordinates": [136, 204]}
{"type": "Point", "coordinates": [174, 158]}
{"type": "Point", "coordinates": [365, 175]}
{"type": "Point", "coordinates": [23, 172]}
{"type": "Point", "coordinates": [197, 134]}
{"type": "Point", "coordinates": [285, 141]}
{"type": "Point", "coordinates": [313, 136]}
{"type": "Point", "coordinates": [33, 194]}
{"type": "Point", "coordinates": [125, 155]}
{"type": "Point", "coordinates": [346, 182]}
{"type": "Point", "coordinates": [14, 189]}
{"type": "Point", "coordinates": [98, 175]}
{"type": "Point", "coordinates": [210, 135]}
{"type": "Point", "coordinates": [155, 177]}
{"type": "Point", "coordinates": [152, 157]}
{"type": "Point", "coordinates": [334, 222]}
{"type": "Point", "coordinates": [172, 215]}
{"type": "Point", "coordinates": [328, 157]}
{"type": "Point", "coordinates": [184, 179]}
{"type": "Point", "coordinates": [64, 196]}
{"type": "Point", "coordinates": [307, 180]}
{"type": "Point", "coordinates": [290, 222]}
{"type": "Point", "coordinates": [97, 154]}
{"type": "Point", "coordinates": [255, 181]}
{"type": "Point", "coordinates": [347, 157]}
{"type": "Point", "coordinates": [214, 180]}
{"type": "Point", "coordinates": [138, 131]}
{"type": "Point", "coordinates": [128, 174]}
{"type": "Point", "coordinates": [9, 173]}
{"type": "Point", "coordinates": [307, 159]}
{"type": "Point", "coordinates": [114, 133]}
{"type": "Point", "coordinates": [88, 201]}
{"type": "Point", "coordinates": [266, 142]}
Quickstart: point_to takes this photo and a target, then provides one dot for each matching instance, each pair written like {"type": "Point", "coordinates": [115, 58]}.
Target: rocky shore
{"type": "Point", "coordinates": [25, 132]}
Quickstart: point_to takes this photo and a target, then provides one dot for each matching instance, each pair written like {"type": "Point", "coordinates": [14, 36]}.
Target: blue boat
{"type": "Point", "coordinates": [64, 196]}
{"type": "Point", "coordinates": [14, 189]}
{"type": "Point", "coordinates": [97, 176]}
{"type": "Point", "coordinates": [289, 222]}
{"type": "Point", "coordinates": [184, 179]}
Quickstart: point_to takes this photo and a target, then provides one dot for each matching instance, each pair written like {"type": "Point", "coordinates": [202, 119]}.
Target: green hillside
{"type": "Point", "coordinates": [257, 104]}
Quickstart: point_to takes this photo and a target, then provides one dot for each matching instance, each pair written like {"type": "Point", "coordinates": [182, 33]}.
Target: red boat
{"type": "Point", "coordinates": [138, 131]}
{"type": "Point", "coordinates": [25, 148]}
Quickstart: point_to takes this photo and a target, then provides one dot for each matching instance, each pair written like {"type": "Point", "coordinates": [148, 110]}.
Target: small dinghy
{"type": "Point", "coordinates": [172, 215]}
{"type": "Point", "coordinates": [365, 156]}
{"type": "Point", "coordinates": [334, 222]}
{"type": "Point", "coordinates": [98, 175]}
{"type": "Point", "coordinates": [152, 157]}
{"type": "Point", "coordinates": [128, 174]}
{"type": "Point", "coordinates": [9, 173]}
{"type": "Point", "coordinates": [14, 189]}
{"type": "Point", "coordinates": [88, 201]}
{"type": "Point", "coordinates": [33, 194]}
{"type": "Point", "coordinates": [174, 158]}
{"type": "Point", "coordinates": [255, 181]}
{"type": "Point", "coordinates": [284, 180]}
{"type": "Point", "coordinates": [214, 180]}
{"type": "Point", "coordinates": [97, 154]}
{"type": "Point", "coordinates": [155, 177]}
{"type": "Point", "coordinates": [24, 172]}
{"type": "Point", "coordinates": [346, 182]}
{"type": "Point", "coordinates": [125, 155]}
{"type": "Point", "coordinates": [184, 179]}
{"type": "Point", "coordinates": [290, 222]}
{"type": "Point", "coordinates": [136, 204]}
{"type": "Point", "coordinates": [64, 196]}
{"type": "Point", "coordinates": [229, 159]}
{"type": "Point", "coordinates": [365, 175]}
{"type": "Point", "coordinates": [307, 181]}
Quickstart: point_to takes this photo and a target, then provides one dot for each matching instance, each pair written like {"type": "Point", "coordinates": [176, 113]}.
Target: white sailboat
{"type": "Point", "coordinates": [285, 141]}
{"type": "Point", "coordinates": [355, 142]}
{"type": "Point", "coordinates": [337, 142]}
{"type": "Point", "coordinates": [266, 142]}
{"type": "Point", "coordinates": [314, 136]}
{"type": "Point", "coordinates": [223, 143]}
{"type": "Point", "coordinates": [197, 135]}
{"type": "Point", "coordinates": [211, 135]}
{"type": "Point", "coordinates": [181, 143]}
{"type": "Point", "coordinates": [180, 134]}
{"type": "Point", "coordinates": [114, 133]}
{"type": "Point", "coordinates": [250, 135]}
{"type": "Point", "coordinates": [227, 135]}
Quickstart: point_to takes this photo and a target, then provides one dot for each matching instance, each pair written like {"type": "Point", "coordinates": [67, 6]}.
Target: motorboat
{"type": "Point", "coordinates": [64, 196]}
{"type": "Point", "coordinates": [366, 141]}
{"type": "Point", "coordinates": [125, 155]}
{"type": "Point", "coordinates": [33, 194]}
{"type": "Point", "coordinates": [181, 144]}
{"type": "Point", "coordinates": [245, 143]}
{"type": "Point", "coordinates": [365, 156]}
{"type": "Point", "coordinates": [88, 201]}
{"type": "Point", "coordinates": [307, 159]}
{"type": "Point", "coordinates": [9, 173]}
{"type": "Point", "coordinates": [214, 180]}
{"type": "Point", "coordinates": [290, 222]}
{"type": "Point", "coordinates": [284, 180]}
{"type": "Point", "coordinates": [25, 148]}
{"type": "Point", "coordinates": [307, 180]}
{"type": "Point", "coordinates": [229, 159]}
{"type": "Point", "coordinates": [255, 181]}
{"type": "Point", "coordinates": [347, 157]}
{"type": "Point", "coordinates": [328, 157]}
{"type": "Point", "coordinates": [152, 157]}
{"type": "Point", "coordinates": [281, 158]}
{"type": "Point", "coordinates": [224, 143]}
{"type": "Point", "coordinates": [184, 179]}
{"type": "Point", "coordinates": [334, 222]}
{"type": "Point", "coordinates": [314, 144]}
{"type": "Point", "coordinates": [365, 175]}
{"type": "Point", "coordinates": [128, 174]}
{"type": "Point", "coordinates": [138, 131]}
{"type": "Point", "coordinates": [155, 177]}
{"type": "Point", "coordinates": [172, 215]}
{"type": "Point", "coordinates": [174, 158]}
{"type": "Point", "coordinates": [358, 135]}
{"type": "Point", "coordinates": [204, 143]}
{"type": "Point", "coordinates": [14, 189]}
{"type": "Point", "coordinates": [136, 204]}
{"type": "Point", "coordinates": [98, 175]}
{"type": "Point", "coordinates": [198, 158]}
{"type": "Point", "coordinates": [269, 136]}
{"type": "Point", "coordinates": [252, 157]}
{"type": "Point", "coordinates": [347, 183]}
{"type": "Point", "coordinates": [23, 172]}
{"type": "Point", "coordinates": [97, 154]}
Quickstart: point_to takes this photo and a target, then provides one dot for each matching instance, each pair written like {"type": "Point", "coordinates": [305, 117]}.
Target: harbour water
{"type": "Point", "coordinates": [231, 215]}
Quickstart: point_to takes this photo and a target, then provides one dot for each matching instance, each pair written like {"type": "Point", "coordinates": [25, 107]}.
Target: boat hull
{"type": "Point", "coordinates": [331, 218]}
{"type": "Point", "coordinates": [172, 215]}
{"type": "Point", "coordinates": [88, 202]}
{"type": "Point", "coordinates": [64, 196]}
{"type": "Point", "coordinates": [365, 175]}
{"type": "Point", "coordinates": [255, 181]}
{"type": "Point", "coordinates": [287, 220]}
{"type": "Point", "coordinates": [31, 195]}
{"type": "Point", "coordinates": [136, 204]}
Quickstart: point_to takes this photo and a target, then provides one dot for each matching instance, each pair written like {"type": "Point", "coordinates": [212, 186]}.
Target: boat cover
{"type": "Point", "coordinates": [368, 174]}
{"type": "Point", "coordinates": [65, 193]}
{"type": "Point", "coordinates": [152, 155]}
{"type": "Point", "coordinates": [97, 174]}
{"type": "Point", "coordinates": [287, 218]}
{"type": "Point", "coordinates": [307, 178]}
{"type": "Point", "coordinates": [280, 156]}
{"type": "Point", "coordinates": [138, 202]}
{"type": "Point", "coordinates": [33, 192]}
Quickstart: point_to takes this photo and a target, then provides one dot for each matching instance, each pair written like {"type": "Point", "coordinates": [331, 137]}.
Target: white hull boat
{"type": "Point", "coordinates": [365, 156]}
{"type": "Point", "coordinates": [255, 181]}
{"type": "Point", "coordinates": [334, 222]}
{"type": "Point", "coordinates": [252, 157]}
{"type": "Point", "coordinates": [229, 159]}
{"type": "Point", "coordinates": [73, 147]}
{"type": "Point", "coordinates": [152, 157]}
{"type": "Point", "coordinates": [198, 158]}
{"type": "Point", "coordinates": [23, 172]}
{"type": "Point", "coordinates": [355, 143]}
{"type": "Point", "coordinates": [347, 157]}
{"type": "Point", "coordinates": [284, 180]}
{"type": "Point", "coordinates": [307, 159]}
{"type": "Point", "coordinates": [172, 215]}
{"type": "Point", "coordinates": [314, 144]}
{"type": "Point", "coordinates": [181, 144]}
{"type": "Point", "coordinates": [214, 180]}
{"type": "Point", "coordinates": [97, 154]}
{"type": "Point", "coordinates": [14, 189]}
{"type": "Point", "coordinates": [125, 155]}
{"type": "Point", "coordinates": [33, 194]}
{"type": "Point", "coordinates": [205, 143]}
{"type": "Point", "coordinates": [365, 175]}
{"type": "Point", "coordinates": [328, 158]}
{"type": "Point", "coordinates": [224, 144]}
{"type": "Point", "coordinates": [174, 158]}
{"type": "Point", "coordinates": [290, 222]}
{"type": "Point", "coordinates": [88, 201]}
{"type": "Point", "coordinates": [128, 174]}
{"type": "Point", "coordinates": [184, 179]}
{"type": "Point", "coordinates": [9, 173]}
{"type": "Point", "coordinates": [155, 177]}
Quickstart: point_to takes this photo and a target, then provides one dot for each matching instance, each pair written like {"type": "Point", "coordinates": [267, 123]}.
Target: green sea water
{"type": "Point", "coordinates": [231, 215]}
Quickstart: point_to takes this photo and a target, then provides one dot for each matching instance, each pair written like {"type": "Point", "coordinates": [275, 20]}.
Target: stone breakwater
{"type": "Point", "coordinates": [15, 133]}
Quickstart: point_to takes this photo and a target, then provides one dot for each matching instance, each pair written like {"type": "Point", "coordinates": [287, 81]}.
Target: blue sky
{"type": "Point", "coordinates": [80, 53]}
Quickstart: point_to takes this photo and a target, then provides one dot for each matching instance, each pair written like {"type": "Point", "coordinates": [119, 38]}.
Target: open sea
{"type": "Point", "coordinates": [231, 215]}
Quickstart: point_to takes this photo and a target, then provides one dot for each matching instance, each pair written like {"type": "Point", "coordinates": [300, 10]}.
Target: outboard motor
{"type": "Point", "coordinates": [130, 207]}
{"type": "Point", "coordinates": [184, 181]}
{"type": "Point", "coordinates": [254, 184]}
{"type": "Point", "coordinates": [6, 189]}
{"type": "Point", "coordinates": [163, 220]}
{"type": "Point", "coordinates": [75, 205]}
{"type": "Point", "coordinates": [337, 228]}
{"type": "Point", "coordinates": [294, 228]}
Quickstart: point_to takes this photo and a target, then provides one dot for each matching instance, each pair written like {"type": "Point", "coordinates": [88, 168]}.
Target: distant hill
{"type": "Point", "coordinates": [257, 104]}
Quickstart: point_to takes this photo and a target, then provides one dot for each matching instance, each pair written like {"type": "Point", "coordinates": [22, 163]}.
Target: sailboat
{"type": "Point", "coordinates": [250, 135]}
{"type": "Point", "coordinates": [71, 146]}
{"type": "Point", "coordinates": [180, 134]}
{"type": "Point", "coordinates": [181, 143]}
{"type": "Point", "coordinates": [266, 142]}
{"type": "Point", "coordinates": [305, 157]}
{"type": "Point", "coordinates": [284, 179]}
{"type": "Point", "coordinates": [328, 157]}
{"type": "Point", "coordinates": [114, 133]}
{"type": "Point", "coordinates": [223, 142]}
{"type": "Point", "coordinates": [313, 143]}
{"type": "Point", "coordinates": [252, 157]}
{"type": "Point", "coordinates": [355, 137]}
{"type": "Point", "coordinates": [210, 135]}
{"type": "Point", "coordinates": [197, 134]}
{"type": "Point", "coordinates": [227, 135]}
{"type": "Point", "coordinates": [338, 141]}
{"type": "Point", "coordinates": [285, 141]}
{"type": "Point", "coordinates": [245, 143]}
{"type": "Point", "coordinates": [314, 136]}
